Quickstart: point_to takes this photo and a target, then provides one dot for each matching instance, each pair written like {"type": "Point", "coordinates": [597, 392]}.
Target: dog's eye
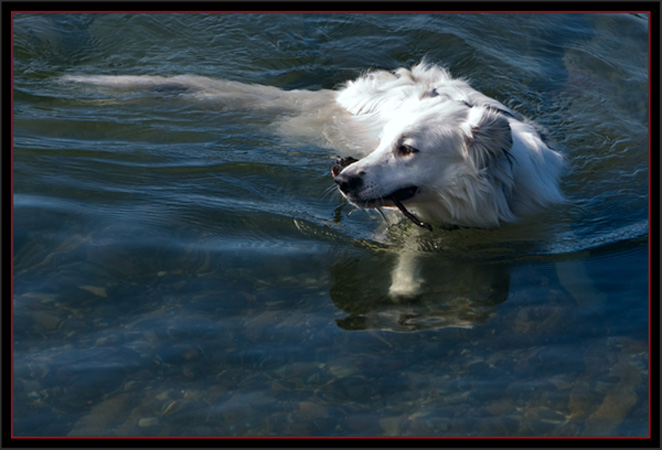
{"type": "Point", "coordinates": [406, 150]}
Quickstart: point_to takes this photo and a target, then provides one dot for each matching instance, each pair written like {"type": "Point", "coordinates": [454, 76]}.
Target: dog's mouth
{"type": "Point", "coordinates": [396, 197]}
{"type": "Point", "coordinates": [404, 194]}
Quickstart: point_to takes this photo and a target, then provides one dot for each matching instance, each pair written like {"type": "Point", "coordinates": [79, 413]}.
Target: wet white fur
{"type": "Point", "coordinates": [477, 164]}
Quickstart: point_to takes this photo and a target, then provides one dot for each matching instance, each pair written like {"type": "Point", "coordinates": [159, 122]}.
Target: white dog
{"type": "Point", "coordinates": [446, 151]}
{"type": "Point", "coordinates": [449, 153]}
{"type": "Point", "coordinates": [431, 146]}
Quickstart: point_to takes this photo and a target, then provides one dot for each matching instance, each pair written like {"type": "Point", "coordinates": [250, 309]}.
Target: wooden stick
{"type": "Point", "coordinates": [409, 215]}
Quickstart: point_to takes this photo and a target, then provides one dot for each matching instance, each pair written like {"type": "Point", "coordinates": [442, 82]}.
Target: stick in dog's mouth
{"type": "Point", "coordinates": [340, 164]}
{"type": "Point", "coordinates": [409, 215]}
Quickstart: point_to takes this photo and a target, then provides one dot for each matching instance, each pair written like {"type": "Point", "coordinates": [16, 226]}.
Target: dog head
{"type": "Point", "coordinates": [437, 157]}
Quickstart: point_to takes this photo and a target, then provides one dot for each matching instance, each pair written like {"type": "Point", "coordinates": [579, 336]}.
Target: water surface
{"type": "Point", "coordinates": [180, 270]}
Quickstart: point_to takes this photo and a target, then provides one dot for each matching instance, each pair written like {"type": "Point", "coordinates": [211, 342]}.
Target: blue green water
{"type": "Point", "coordinates": [185, 271]}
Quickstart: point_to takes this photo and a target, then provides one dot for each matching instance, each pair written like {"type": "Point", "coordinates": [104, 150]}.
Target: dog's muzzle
{"type": "Point", "coordinates": [349, 184]}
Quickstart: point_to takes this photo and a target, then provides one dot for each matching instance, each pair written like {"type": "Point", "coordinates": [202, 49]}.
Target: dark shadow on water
{"type": "Point", "coordinates": [454, 294]}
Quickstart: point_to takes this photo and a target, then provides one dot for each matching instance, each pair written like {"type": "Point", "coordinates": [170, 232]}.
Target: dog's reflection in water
{"type": "Point", "coordinates": [457, 294]}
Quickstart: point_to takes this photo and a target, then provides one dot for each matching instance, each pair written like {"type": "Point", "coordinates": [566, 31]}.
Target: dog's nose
{"type": "Point", "coordinates": [348, 183]}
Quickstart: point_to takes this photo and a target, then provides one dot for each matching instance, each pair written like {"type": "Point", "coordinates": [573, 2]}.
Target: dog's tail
{"type": "Point", "coordinates": [193, 87]}
{"type": "Point", "coordinates": [129, 81]}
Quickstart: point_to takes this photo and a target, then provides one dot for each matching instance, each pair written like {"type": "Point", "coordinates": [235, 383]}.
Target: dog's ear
{"type": "Point", "coordinates": [488, 135]}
